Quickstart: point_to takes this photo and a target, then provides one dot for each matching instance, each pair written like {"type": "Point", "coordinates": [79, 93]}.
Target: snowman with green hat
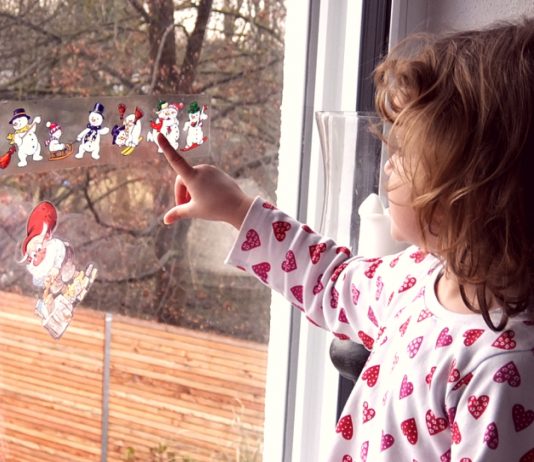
{"type": "Point", "coordinates": [193, 127]}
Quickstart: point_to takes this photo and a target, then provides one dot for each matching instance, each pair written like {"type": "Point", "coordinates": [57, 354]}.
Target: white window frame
{"type": "Point", "coordinates": [302, 383]}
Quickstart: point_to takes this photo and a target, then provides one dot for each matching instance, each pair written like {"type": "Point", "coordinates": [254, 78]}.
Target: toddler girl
{"type": "Point", "coordinates": [448, 321]}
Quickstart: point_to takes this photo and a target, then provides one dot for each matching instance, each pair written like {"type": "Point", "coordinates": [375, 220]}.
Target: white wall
{"type": "Point", "coordinates": [452, 15]}
{"type": "Point", "coordinates": [468, 14]}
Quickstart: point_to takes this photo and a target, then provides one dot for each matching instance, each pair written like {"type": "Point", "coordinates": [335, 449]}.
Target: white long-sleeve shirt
{"type": "Point", "coordinates": [438, 385]}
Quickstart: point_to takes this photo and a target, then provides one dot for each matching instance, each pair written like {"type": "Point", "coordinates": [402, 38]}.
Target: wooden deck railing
{"type": "Point", "coordinates": [200, 395]}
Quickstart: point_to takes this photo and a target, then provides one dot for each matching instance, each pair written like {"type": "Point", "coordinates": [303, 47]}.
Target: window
{"type": "Point", "coordinates": [178, 340]}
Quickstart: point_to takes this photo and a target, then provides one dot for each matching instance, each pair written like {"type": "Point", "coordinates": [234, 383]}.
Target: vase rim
{"type": "Point", "coordinates": [369, 114]}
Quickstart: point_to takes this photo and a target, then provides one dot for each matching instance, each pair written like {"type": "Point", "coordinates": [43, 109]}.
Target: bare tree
{"type": "Point", "coordinates": [231, 50]}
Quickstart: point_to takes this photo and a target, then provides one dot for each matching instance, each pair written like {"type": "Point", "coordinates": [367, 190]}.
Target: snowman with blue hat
{"type": "Point", "coordinates": [89, 138]}
{"type": "Point", "coordinates": [24, 137]}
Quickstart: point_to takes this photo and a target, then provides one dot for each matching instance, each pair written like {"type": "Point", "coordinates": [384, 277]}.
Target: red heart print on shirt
{"type": "Point", "coordinates": [491, 436]}
{"type": "Point", "coordinates": [290, 263]}
{"type": "Point", "coordinates": [463, 381]}
{"type": "Point", "coordinates": [455, 433]}
{"type": "Point", "coordinates": [307, 229]}
{"type": "Point", "coordinates": [477, 406]}
{"type": "Point", "coordinates": [342, 317]}
{"type": "Point", "coordinates": [261, 270]}
{"type": "Point", "coordinates": [528, 457]}
{"type": "Point", "coordinates": [408, 283]}
{"type": "Point", "coordinates": [334, 298]}
{"type": "Point", "coordinates": [404, 326]}
{"type": "Point", "coordinates": [386, 441]}
{"type": "Point", "coordinates": [414, 345]}
{"type": "Point", "coordinates": [406, 388]}
{"type": "Point", "coordinates": [424, 314]}
{"type": "Point", "coordinates": [409, 429]}
{"type": "Point", "coordinates": [508, 374]}
{"type": "Point", "coordinates": [372, 317]}
{"type": "Point", "coordinates": [315, 252]}
{"type": "Point", "coordinates": [355, 294]}
{"type": "Point", "coordinates": [297, 292]}
{"type": "Point", "coordinates": [267, 205]}
{"type": "Point", "coordinates": [319, 286]}
{"type": "Point", "coordinates": [341, 336]}
{"type": "Point", "coordinates": [346, 458]}
{"type": "Point", "coordinates": [505, 341]}
{"type": "Point", "coordinates": [344, 426]}
{"type": "Point", "coordinates": [280, 229]}
{"type": "Point", "coordinates": [446, 456]}
{"type": "Point", "coordinates": [394, 262]}
{"type": "Point", "coordinates": [418, 256]}
{"type": "Point", "coordinates": [428, 378]}
{"type": "Point", "coordinates": [366, 340]}
{"type": "Point", "coordinates": [344, 250]}
{"type": "Point", "coordinates": [364, 450]}
{"type": "Point", "coordinates": [522, 418]}
{"type": "Point", "coordinates": [370, 375]}
{"type": "Point", "coordinates": [252, 240]}
{"type": "Point", "coordinates": [444, 339]}
{"type": "Point", "coordinates": [368, 412]}
{"type": "Point", "coordinates": [379, 287]}
{"type": "Point", "coordinates": [472, 335]}
{"type": "Point", "coordinates": [451, 414]}
{"type": "Point", "coordinates": [338, 271]}
{"type": "Point", "coordinates": [454, 374]}
{"type": "Point", "coordinates": [370, 272]}
{"type": "Point", "coordinates": [434, 423]}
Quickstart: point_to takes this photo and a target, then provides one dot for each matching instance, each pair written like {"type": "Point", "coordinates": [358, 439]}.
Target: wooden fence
{"type": "Point", "coordinates": [198, 395]}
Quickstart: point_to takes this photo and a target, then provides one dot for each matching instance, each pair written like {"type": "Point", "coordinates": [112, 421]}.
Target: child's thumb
{"type": "Point", "coordinates": [177, 212]}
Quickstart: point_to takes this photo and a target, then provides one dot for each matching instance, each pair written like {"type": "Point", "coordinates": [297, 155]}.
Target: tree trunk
{"type": "Point", "coordinates": [194, 47]}
{"type": "Point", "coordinates": [160, 27]}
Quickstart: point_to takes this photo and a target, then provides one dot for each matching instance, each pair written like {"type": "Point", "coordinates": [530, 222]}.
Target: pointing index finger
{"type": "Point", "coordinates": [177, 162]}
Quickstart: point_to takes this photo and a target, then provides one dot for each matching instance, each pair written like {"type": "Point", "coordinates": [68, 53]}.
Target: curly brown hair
{"type": "Point", "coordinates": [461, 107]}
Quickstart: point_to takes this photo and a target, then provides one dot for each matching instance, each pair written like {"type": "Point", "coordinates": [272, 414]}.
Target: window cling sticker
{"type": "Point", "coordinates": [37, 136]}
{"type": "Point", "coordinates": [51, 264]}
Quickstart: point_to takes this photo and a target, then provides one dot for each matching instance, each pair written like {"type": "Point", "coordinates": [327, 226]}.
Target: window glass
{"type": "Point", "coordinates": [185, 345]}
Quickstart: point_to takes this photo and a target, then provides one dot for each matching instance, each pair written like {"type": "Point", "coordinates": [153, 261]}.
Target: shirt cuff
{"type": "Point", "coordinates": [257, 216]}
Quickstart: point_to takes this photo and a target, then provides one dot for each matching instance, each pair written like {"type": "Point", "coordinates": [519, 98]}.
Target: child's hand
{"type": "Point", "coordinates": [204, 191]}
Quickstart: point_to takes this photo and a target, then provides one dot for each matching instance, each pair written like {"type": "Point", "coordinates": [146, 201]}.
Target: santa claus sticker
{"type": "Point", "coordinates": [50, 262]}
{"type": "Point", "coordinates": [166, 122]}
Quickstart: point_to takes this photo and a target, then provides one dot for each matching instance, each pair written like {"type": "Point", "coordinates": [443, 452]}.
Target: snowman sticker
{"type": "Point", "coordinates": [89, 138]}
{"type": "Point", "coordinates": [24, 137]}
{"type": "Point", "coordinates": [166, 123]}
{"type": "Point", "coordinates": [57, 149]}
{"type": "Point", "coordinates": [195, 135]}
{"type": "Point", "coordinates": [127, 134]}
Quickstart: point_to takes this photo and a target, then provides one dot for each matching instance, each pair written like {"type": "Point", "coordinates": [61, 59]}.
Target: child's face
{"type": "Point", "coordinates": [404, 226]}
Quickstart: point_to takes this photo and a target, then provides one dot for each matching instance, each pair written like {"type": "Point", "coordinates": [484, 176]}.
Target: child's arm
{"type": "Point", "coordinates": [347, 296]}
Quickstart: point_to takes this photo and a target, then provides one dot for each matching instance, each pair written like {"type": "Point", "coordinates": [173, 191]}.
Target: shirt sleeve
{"type": "Point", "coordinates": [493, 415]}
{"type": "Point", "coordinates": [350, 296]}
